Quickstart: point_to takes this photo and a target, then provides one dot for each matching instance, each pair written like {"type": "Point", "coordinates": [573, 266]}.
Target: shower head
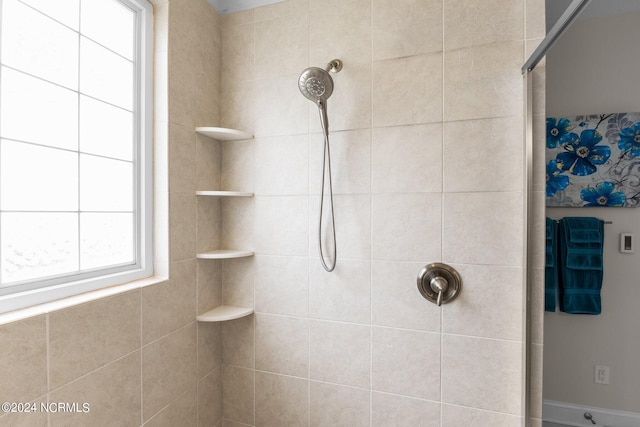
{"type": "Point", "coordinates": [316, 84]}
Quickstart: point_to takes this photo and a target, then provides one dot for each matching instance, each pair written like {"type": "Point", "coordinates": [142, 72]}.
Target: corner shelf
{"type": "Point", "coordinates": [224, 254]}
{"type": "Point", "coordinates": [223, 134]}
{"type": "Point", "coordinates": [225, 312]}
{"type": "Point", "coordinates": [224, 193]}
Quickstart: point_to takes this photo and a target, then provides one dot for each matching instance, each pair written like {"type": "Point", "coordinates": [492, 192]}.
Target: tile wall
{"type": "Point", "coordinates": [427, 155]}
{"type": "Point", "coordinates": [427, 152]}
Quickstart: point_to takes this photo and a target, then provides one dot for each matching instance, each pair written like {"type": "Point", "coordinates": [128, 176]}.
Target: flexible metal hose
{"type": "Point", "coordinates": [326, 165]}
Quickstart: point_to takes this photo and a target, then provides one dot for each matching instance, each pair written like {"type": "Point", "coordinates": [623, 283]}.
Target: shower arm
{"type": "Point", "coordinates": [334, 66]}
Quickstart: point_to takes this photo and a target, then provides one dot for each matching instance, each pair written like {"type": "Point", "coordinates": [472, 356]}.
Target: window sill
{"type": "Point", "coordinates": [25, 313]}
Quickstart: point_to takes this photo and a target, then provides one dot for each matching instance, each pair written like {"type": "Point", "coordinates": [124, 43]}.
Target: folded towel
{"type": "Point", "coordinates": [581, 258]}
{"type": "Point", "coordinates": [551, 265]}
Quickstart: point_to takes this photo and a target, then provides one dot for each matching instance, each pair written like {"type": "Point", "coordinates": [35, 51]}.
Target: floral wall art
{"type": "Point", "coordinates": [593, 160]}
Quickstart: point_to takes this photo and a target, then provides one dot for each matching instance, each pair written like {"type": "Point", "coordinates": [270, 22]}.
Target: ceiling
{"type": "Point", "coordinates": [230, 6]}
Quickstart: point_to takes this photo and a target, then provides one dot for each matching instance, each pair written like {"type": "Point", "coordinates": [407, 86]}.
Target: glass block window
{"type": "Point", "coordinates": [75, 147]}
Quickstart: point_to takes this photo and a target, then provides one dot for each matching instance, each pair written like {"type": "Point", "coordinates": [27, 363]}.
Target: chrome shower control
{"type": "Point", "coordinates": [439, 283]}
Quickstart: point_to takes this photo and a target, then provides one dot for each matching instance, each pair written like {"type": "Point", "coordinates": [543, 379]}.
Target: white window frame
{"type": "Point", "coordinates": [37, 292]}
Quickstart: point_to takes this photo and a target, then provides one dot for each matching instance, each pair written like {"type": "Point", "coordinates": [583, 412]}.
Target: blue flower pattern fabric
{"type": "Point", "coordinates": [593, 160]}
{"type": "Point", "coordinates": [630, 140]}
{"type": "Point", "coordinates": [555, 180]}
{"type": "Point", "coordinates": [582, 154]}
{"type": "Point", "coordinates": [556, 130]}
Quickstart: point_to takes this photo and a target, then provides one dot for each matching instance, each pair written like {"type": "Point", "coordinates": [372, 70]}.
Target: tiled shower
{"type": "Point", "coordinates": [427, 149]}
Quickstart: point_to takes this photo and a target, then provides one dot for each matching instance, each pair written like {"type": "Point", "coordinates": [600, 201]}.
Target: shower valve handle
{"type": "Point", "coordinates": [439, 283]}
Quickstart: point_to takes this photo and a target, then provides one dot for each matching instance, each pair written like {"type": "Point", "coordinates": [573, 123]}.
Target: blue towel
{"type": "Point", "coordinates": [581, 245]}
{"type": "Point", "coordinates": [551, 265]}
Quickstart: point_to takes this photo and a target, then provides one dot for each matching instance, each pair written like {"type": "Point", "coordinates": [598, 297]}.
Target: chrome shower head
{"type": "Point", "coordinates": [316, 84]}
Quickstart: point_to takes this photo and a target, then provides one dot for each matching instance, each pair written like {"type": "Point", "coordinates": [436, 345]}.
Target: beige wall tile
{"type": "Point", "coordinates": [112, 392]}
{"type": "Point", "coordinates": [471, 23]}
{"type": "Point", "coordinates": [535, 390]}
{"type": "Point", "coordinates": [237, 165]}
{"type": "Point", "coordinates": [237, 222]}
{"type": "Point", "coordinates": [399, 411]}
{"type": "Point", "coordinates": [295, 9]}
{"type": "Point", "coordinates": [536, 306]}
{"type": "Point", "coordinates": [395, 299]}
{"type": "Point", "coordinates": [237, 281]}
{"type": "Point", "coordinates": [490, 304]}
{"type": "Point", "coordinates": [406, 27]}
{"type": "Point", "coordinates": [479, 155]}
{"type": "Point", "coordinates": [210, 399]}
{"type": "Point", "coordinates": [283, 166]}
{"type": "Point", "coordinates": [239, 110]}
{"type": "Point", "coordinates": [344, 294]}
{"type": "Point", "coordinates": [539, 152]}
{"type": "Point", "coordinates": [340, 353]}
{"type": "Point", "coordinates": [238, 398]}
{"type": "Point", "coordinates": [454, 416]}
{"type": "Point", "coordinates": [406, 362]}
{"type": "Point", "coordinates": [85, 337]}
{"type": "Point", "coordinates": [168, 369]}
{"type": "Point", "coordinates": [282, 285]}
{"type": "Point", "coordinates": [208, 155]}
{"type": "Point", "coordinates": [282, 225]}
{"type": "Point", "coordinates": [209, 347]}
{"type": "Point", "coordinates": [238, 342]}
{"type": "Point", "coordinates": [482, 82]}
{"type": "Point", "coordinates": [209, 285]}
{"type": "Point", "coordinates": [238, 52]}
{"type": "Point", "coordinates": [350, 161]}
{"type": "Point", "coordinates": [182, 226]}
{"type": "Point", "coordinates": [182, 159]}
{"type": "Point", "coordinates": [180, 412]}
{"type": "Point", "coordinates": [281, 400]}
{"type": "Point", "coordinates": [493, 368]}
{"type": "Point", "coordinates": [23, 359]}
{"type": "Point", "coordinates": [472, 218]}
{"type": "Point", "coordinates": [176, 296]}
{"type": "Point", "coordinates": [406, 227]}
{"type": "Point", "coordinates": [182, 86]}
{"type": "Point", "coordinates": [535, 18]}
{"type": "Point", "coordinates": [281, 47]}
{"type": "Point", "coordinates": [395, 102]}
{"type": "Point", "coordinates": [344, 26]}
{"type": "Point", "coordinates": [339, 406]}
{"type": "Point", "coordinates": [406, 159]}
{"type": "Point", "coordinates": [208, 233]}
{"type": "Point", "coordinates": [282, 345]}
{"type": "Point", "coordinates": [26, 419]}
{"type": "Point", "coordinates": [280, 108]}
{"type": "Point", "coordinates": [353, 229]}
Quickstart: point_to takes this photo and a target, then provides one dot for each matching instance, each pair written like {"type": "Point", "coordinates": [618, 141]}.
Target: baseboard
{"type": "Point", "coordinates": [573, 415]}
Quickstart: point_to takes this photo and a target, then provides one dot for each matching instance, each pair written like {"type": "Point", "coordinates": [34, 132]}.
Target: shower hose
{"type": "Point", "coordinates": [326, 166]}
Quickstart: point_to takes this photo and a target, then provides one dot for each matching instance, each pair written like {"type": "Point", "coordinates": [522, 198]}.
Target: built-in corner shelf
{"type": "Point", "coordinates": [224, 254]}
{"type": "Point", "coordinates": [223, 134]}
{"type": "Point", "coordinates": [225, 312]}
{"type": "Point", "coordinates": [224, 193]}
